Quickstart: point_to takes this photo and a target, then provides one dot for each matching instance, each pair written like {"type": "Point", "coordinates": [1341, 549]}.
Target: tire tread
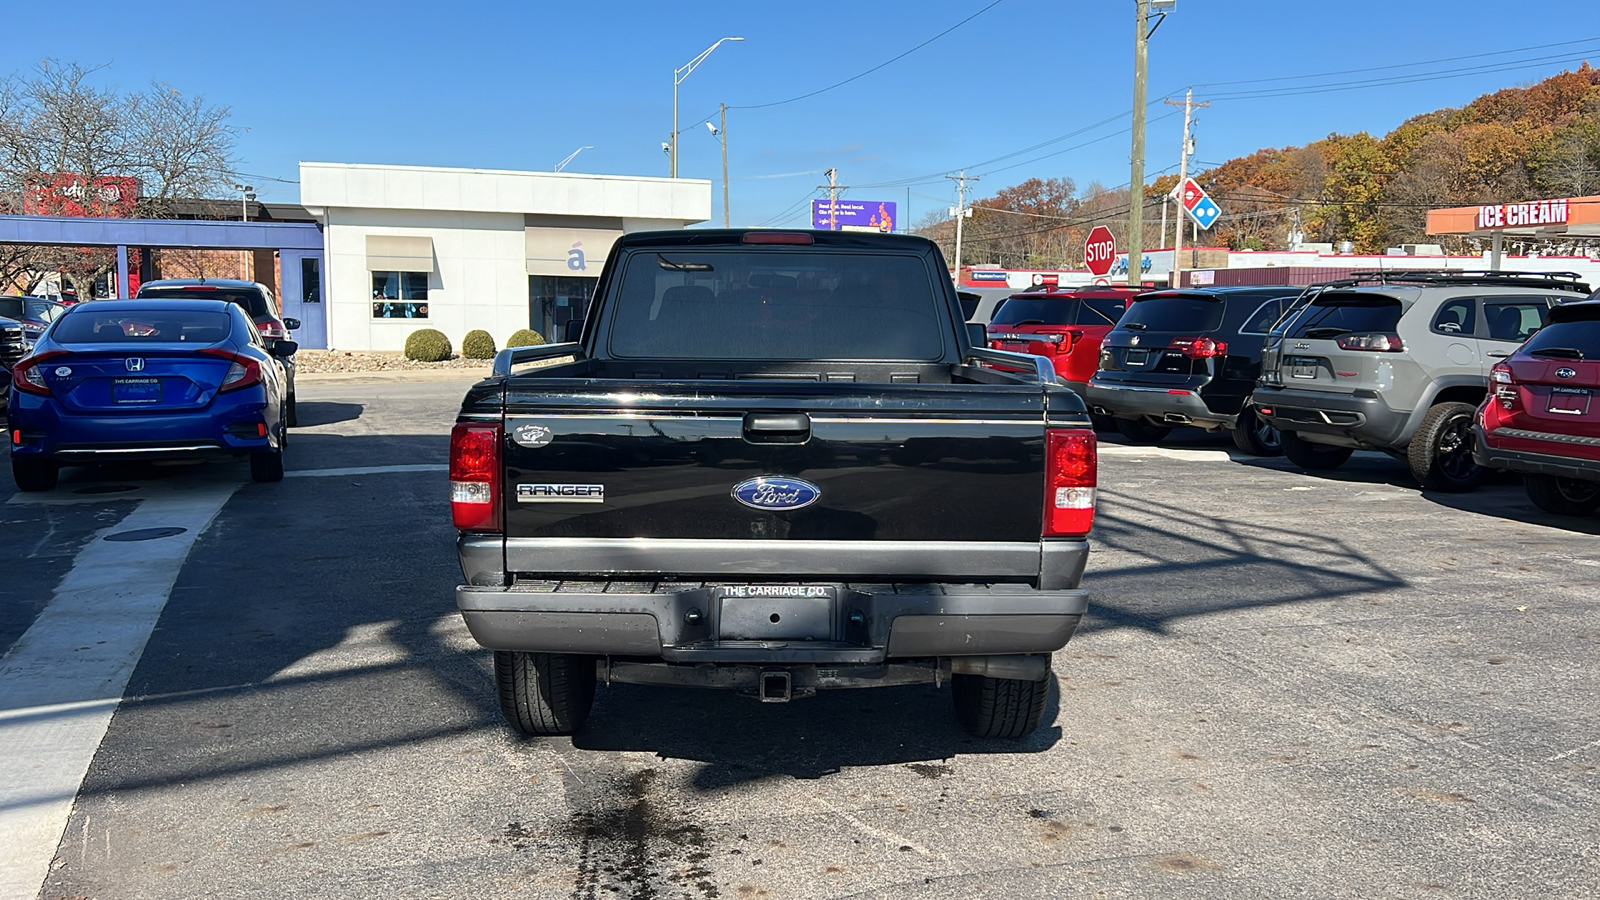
{"type": "Point", "coordinates": [999, 707]}
{"type": "Point", "coordinates": [544, 693]}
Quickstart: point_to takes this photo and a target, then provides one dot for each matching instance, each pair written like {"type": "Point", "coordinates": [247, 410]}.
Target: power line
{"type": "Point", "coordinates": [876, 67]}
{"type": "Point", "coordinates": [1426, 62]}
{"type": "Point", "coordinates": [1414, 78]}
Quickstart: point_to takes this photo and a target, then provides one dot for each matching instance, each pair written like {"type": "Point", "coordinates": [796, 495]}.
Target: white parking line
{"type": "Point", "coordinates": [365, 470]}
{"type": "Point", "coordinates": [61, 681]}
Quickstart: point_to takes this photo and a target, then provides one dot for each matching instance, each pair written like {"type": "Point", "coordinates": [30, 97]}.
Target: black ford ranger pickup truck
{"type": "Point", "coordinates": [774, 462]}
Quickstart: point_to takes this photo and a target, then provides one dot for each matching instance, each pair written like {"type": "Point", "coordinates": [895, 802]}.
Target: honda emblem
{"type": "Point", "coordinates": [134, 364]}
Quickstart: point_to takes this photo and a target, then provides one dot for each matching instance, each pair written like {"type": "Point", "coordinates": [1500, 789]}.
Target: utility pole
{"type": "Point", "coordinates": [833, 188]}
{"type": "Point", "coordinates": [1183, 175]}
{"type": "Point", "coordinates": [722, 108]}
{"type": "Point", "coordinates": [1141, 61]}
{"type": "Point", "coordinates": [960, 211]}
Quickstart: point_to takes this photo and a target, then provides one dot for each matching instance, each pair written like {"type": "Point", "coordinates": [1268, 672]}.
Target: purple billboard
{"type": "Point", "coordinates": [853, 215]}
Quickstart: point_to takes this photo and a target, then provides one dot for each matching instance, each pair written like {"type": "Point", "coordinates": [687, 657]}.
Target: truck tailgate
{"type": "Point", "coordinates": [896, 462]}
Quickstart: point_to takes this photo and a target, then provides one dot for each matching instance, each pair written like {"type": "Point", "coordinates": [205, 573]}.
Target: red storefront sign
{"type": "Point", "coordinates": [70, 194]}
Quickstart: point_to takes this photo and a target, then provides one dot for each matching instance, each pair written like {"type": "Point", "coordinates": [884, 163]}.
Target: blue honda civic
{"type": "Point", "coordinates": [147, 379]}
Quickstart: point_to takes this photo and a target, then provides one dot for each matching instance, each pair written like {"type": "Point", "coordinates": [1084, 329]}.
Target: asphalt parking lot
{"type": "Point", "coordinates": [1330, 686]}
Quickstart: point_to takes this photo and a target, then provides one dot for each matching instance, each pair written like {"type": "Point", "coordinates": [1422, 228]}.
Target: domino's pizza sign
{"type": "Point", "coordinates": [1197, 205]}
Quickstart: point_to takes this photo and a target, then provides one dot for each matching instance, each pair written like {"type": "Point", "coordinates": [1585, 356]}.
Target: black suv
{"type": "Point", "coordinates": [13, 347]}
{"type": "Point", "coordinates": [1190, 357]}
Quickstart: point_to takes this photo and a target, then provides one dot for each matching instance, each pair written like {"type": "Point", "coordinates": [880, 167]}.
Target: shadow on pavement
{"type": "Point", "coordinates": [311, 413]}
{"type": "Point", "coordinates": [740, 739]}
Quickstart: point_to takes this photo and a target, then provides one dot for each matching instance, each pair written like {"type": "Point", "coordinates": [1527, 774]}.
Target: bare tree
{"type": "Point", "coordinates": [70, 146]}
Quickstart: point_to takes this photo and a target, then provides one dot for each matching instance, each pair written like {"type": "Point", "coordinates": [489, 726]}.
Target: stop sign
{"type": "Point", "coordinates": [1100, 250]}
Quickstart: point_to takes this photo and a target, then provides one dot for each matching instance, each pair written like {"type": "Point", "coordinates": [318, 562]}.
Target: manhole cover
{"type": "Point", "coordinates": [106, 489]}
{"type": "Point", "coordinates": [145, 534]}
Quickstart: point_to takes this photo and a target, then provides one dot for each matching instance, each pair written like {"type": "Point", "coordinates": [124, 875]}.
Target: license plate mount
{"type": "Point", "coordinates": [1568, 401]}
{"type": "Point", "coordinates": [1137, 357]}
{"type": "Point", "coordinates": [789, 612]}
{"type": "Point", "coordinates": [136, 390]}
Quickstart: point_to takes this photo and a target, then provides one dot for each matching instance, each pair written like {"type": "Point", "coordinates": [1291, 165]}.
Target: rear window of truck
{"type": "Point", "coordinates": [1331, 315]}
{"type": "Point", "coordinates": [1197, 314]}
{"type": "Point", "coordinates": [776, 305]}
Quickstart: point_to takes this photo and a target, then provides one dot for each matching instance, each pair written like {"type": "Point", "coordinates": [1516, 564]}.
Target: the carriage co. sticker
{"type": "Point", "coordinates": [561, 493]}
{"type": "Point", "coordinates": [533, 435]}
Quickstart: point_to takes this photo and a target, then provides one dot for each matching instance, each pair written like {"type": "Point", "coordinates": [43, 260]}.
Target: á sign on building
{"type": "Point", "coordinates": [1516, 215]}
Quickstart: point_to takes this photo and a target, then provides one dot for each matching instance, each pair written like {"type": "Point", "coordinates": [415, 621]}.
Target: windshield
{"type": "Point", "coordinates": [1331, 315]}
{"type": "Point", "coordinates": [1196, 314]}
{"type": "Point", "coordinates": [86, 326]}
{"type": "Point", "coordinates": [781, 304]}
{"type": "Point", "coordinates": [250, 300]}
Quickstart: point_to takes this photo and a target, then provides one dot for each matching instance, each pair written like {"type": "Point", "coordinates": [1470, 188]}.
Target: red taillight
{"type": "Point", "coordinates": [272, 330]}
{"type": "Point", "coordinates": [243, 373]}
{"type": "Point", "coordinates": [776, 237]}
{"type": "Point", "coordinates": [1199, 347]}
{"type": "Point", "coordinates": [27, 376]}
{"type": "Point", "coordinates": [1069, 482]}
{"type": "Point", "coordinates": [474, 474]}
{"type": "Point", "coordinates": [1377, 341]}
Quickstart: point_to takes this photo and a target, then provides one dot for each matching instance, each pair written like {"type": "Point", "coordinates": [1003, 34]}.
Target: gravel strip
{"type": "Point", "coordinates": [328, 361]}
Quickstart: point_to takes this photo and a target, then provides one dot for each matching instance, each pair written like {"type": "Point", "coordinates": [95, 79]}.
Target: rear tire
{"type": "Point", "coordinates": [1256, 437]}
{"type": "Point", "coordinates": [1440, 454]}
{"type": "Point", "coordinates": [1103, 424]}
{"type": "Point", "coordinates": [999, 707]}
{"type": "Point", "coordinates": [267, 467]}
{"type": "Point", "coordinates": [1563, 496]}
{"type": "Point", "coordinates": [544, 693]}
{"type": "Point", "coordinates": [1313, 457]}
{"type": "Point", "coordinates": [289, 417]}
{"type": "Point", "coordinates": [34, 474]}
{"type": "Point", "coordinates": [1140, 431]}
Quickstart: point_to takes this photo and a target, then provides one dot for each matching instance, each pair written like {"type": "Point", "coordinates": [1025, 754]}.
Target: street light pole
{"type": "Point", "coordinates": [246, 193]}
{"type": "Point", "coordinates": [574, 155]}
{"type": "Point", "coordinates": [723, 128]}
{"type": "Point", "coordinates": [678, 75]}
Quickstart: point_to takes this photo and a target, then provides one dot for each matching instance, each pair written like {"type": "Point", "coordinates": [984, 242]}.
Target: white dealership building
{"type": "Point", "coordinates": [409, 247]}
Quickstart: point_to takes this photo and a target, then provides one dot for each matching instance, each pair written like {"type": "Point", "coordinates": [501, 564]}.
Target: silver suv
{"type": "Point", "coordinates": [1399, 362]}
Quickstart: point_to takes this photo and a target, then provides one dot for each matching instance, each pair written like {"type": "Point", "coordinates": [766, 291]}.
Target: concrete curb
{"type": "Point", "coordinates": [385, 376]}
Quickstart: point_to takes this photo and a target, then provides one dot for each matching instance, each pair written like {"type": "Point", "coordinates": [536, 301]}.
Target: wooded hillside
{"type": "Point", "coordinates": [1516, 144]}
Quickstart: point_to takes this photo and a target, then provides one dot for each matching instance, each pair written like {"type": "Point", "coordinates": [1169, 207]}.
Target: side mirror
{"type": "Point", "coordinates": [572, 331]}
{"type": "Point", "coordinates": [292, 324]}
{"type": "Point", "coordinates": [283, 348]}
{"type": "Point", "coordinates": [969, 303]}
{"type": "Point", "coordinates": [977, 334]}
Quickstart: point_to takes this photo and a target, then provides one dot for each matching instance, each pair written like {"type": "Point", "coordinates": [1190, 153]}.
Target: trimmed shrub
{"type": "Point", "coordinates": [427, 345]}
{"type": "Point", "coordinates": [525, 337]}
{"type": "Point", "coordinates": [478, 344]}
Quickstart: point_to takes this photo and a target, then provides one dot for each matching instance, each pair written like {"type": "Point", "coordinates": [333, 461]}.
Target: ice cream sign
{"type": "Point", "coordinates": [1522, 215]}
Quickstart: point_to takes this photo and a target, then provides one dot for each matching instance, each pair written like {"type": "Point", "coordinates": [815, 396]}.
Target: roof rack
{"type": "Point", "coordinates": [1560, 280]}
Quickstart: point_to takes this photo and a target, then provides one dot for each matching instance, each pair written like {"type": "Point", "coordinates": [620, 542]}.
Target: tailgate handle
{"type": "Point", "coordinates": [777, 428]}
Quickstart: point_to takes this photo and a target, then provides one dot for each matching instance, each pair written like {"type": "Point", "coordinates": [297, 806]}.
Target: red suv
{"type": "Point", "coordinates": [1066, 327]}
{"type": "Point", "coordinates": [1542, 415]}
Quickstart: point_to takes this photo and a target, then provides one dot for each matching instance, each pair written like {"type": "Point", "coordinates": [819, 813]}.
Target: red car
{"type": "Point", "coordinates": [1542, 415]}
{"type": "Point", "coordinates": [1064, 326]}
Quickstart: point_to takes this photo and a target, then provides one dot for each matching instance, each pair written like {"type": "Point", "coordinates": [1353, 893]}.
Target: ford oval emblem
{"type": "Point", "coordinates": [1565, 372]}
{"type": "Point", "coordinates": [776, 492]}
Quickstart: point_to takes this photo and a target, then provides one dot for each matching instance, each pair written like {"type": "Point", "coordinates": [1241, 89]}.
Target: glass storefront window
{"type": "Point", "coordinates": [555, 300]}
{"type": "Point", "coordinates": [399, 295]}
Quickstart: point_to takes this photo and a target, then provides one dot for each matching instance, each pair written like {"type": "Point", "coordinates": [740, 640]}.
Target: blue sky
{"type": "Point", "coordinates": [521, 85]}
